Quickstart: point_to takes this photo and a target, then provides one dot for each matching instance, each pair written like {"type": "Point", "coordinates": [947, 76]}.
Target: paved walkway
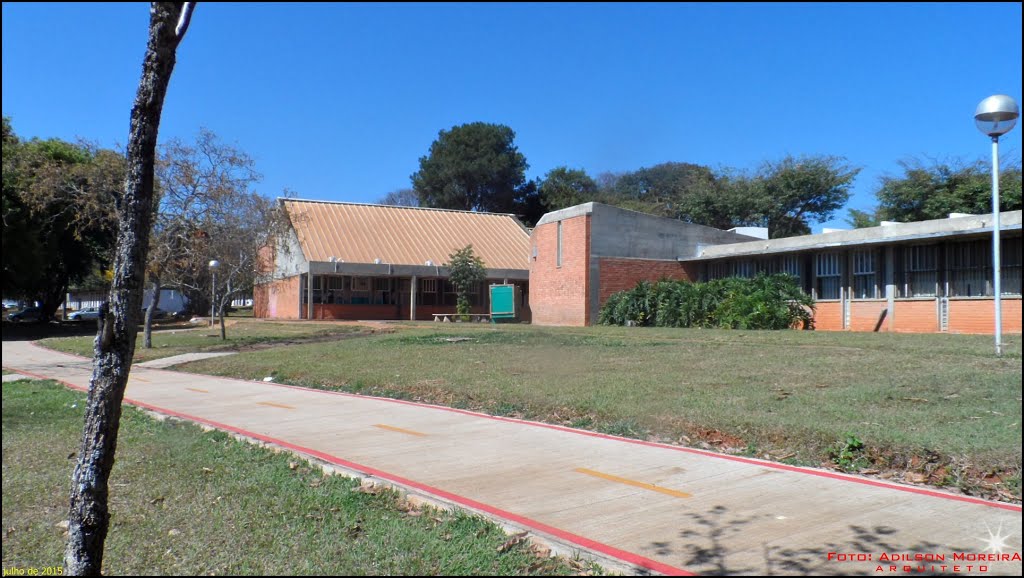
{"type": "Point", "coordinates": [658, 508]}
{"type": "Point", "coordinates": [165, 362]}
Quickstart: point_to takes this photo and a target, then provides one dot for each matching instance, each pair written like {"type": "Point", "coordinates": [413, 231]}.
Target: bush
{"type": "Point", "coordinates": [764, 302]}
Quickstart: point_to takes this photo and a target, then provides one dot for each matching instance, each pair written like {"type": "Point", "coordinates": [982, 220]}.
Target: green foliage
{"type": "Point", "coordinates": [933, 191]}
{"type": "Point", "coordinates": [848, 454]}
{"type": "Point", "coordinates": [564, 187]}
{"type": "Point", "coordinates": [59, 211]}
{"type": "Point", "coordinates": [472, 167]}
{"type": "Point", "coordinates": [784, 196]}
{"type": "Point", "coordinates": [464, 270]}
{"type": "Point", "coordinates": [792, 191]}
{"type": "Point", "coordinates": [764, 302]}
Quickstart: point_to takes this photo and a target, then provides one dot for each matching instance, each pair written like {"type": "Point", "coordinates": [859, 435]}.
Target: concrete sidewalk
{"type": "Point", "coordinates": [652, 507]}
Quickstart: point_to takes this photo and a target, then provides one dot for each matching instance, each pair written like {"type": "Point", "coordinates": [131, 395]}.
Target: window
{"type": "Point", "coordinates": [922, 276]}
{"type": "Point", "coordinates": [865, 276]}
{"type": "Point", "coordinates": [743, 268]}
{"type": "Point", "coordinates": [558, 246]}
{"type": "Point", "coordinates": [828, 272]}
{"type": "Point", "coordinates": [791, 265]}
{"type": "Point", "coordinates": [1010, 258]}
{"type": "Point", "coordinates": [969, 267]}
{"type": "Point", "coordinates": [718, 270]}
{"type": "Point", "coordinates": [429, 285]}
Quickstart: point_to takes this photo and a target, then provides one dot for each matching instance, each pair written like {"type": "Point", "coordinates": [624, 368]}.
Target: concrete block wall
{"type": "Point", "coordinates": [558, 294]}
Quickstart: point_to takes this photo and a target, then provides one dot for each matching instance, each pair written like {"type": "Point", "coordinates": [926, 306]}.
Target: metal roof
{"type": "Point", "coordinates": [359, 233]}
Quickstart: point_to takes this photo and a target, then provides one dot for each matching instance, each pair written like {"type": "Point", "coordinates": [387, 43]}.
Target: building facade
{"type": "Point", "coordinates": [355, 261]}
{"type": "Point", "coordinates": [931, 276]}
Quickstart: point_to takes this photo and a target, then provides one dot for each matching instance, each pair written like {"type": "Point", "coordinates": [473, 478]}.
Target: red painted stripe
{"type": "Point", "coordinates": [605, 549]}
{"type": "Point", "coordinates": [752, 461]}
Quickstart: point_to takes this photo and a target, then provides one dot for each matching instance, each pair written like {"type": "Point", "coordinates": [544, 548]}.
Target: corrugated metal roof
{"type": "Point", "coordinates": [357, 233]}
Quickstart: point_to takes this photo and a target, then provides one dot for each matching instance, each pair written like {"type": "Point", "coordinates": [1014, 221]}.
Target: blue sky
{"type": "Point", "coordinates": [339, 101]}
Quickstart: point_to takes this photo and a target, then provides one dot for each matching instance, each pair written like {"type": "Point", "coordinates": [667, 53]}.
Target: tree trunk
{"type": "Point", "coordinates": [223, 333]}
{"type": "Point", "coordinates": [147, 329]}
{"type": "Point", "coordinates": [88, 517]}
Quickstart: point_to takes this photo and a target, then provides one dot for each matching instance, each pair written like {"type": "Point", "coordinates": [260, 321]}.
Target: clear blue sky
{"type": "Point", "coordinates": [339, 101]}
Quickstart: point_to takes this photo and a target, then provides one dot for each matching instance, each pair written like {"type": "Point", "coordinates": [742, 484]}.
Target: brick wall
{"type": "Point", "coordinates": [559, 295]}
{"type": "Point", "coordinates": [828, 316]}
{"type": "Point", "coordinates": [978, 315]}
{"type": "Point", "coordinates": [864, 315]}
{"type": "Point", "coordinates": [916, 317]}
{"type": "Point", "coordinates": [617, 274]}
{"type": "Point", "coordinates": [277, 299]}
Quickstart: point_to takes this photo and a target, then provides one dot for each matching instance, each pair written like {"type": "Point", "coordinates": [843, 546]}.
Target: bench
{"type": "Point", "coordinates": [473, 317]}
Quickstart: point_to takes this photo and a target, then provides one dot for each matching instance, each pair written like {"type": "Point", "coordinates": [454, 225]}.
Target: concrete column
{"type": "Point", "coordinates": [309, 296]}
{"type": "Point", "coordinates": [890, 285]}
{"type": "Point", "coordinates": [412, 298]}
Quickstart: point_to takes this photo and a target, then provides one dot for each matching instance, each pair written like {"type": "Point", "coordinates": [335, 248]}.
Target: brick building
{"type": "Point", "coordinates": [355, 261]}
{"type": "Point", "coordinates": [930, 276]}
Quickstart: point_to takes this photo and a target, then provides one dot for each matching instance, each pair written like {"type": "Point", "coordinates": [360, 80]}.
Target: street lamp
{"type": "Point", "coordinates": [996, 116]}
{"type": "Point", "coordinates": [214, 265]}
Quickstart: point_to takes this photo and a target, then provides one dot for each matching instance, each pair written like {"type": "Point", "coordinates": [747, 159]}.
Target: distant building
{"type": "Point", "coordinates": [170, 299]}
{"type": "Point", "coordinates": [356, 261]}
{"type": "Point", "coordinates": [930, 276]}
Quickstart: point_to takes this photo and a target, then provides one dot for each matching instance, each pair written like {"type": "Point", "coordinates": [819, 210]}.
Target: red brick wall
{"type": "Point", "coordinates": [864, 315]}
{"type": "Point", "coordinates": [828, 316]}
{"type": "Point", "coordinates": [277, 299]}
{"type": "Point", "coordinates": [617, 274]}
{"type": "Point", "coordinates": [978, 315]}
{"type": "Point", "coordinates": [559, 295]}
{"type": "Point", "coordinates": [916, 317]}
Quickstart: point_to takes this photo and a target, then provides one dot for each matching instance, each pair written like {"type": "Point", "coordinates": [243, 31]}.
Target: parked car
{"type": "Point", "coordinates": [87, 313]}
{"type": "Point", "coordinates": [27, 314]}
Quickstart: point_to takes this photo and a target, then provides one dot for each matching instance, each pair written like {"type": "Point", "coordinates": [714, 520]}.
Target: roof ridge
{"type": "Point", "coordinates": [325, 202]}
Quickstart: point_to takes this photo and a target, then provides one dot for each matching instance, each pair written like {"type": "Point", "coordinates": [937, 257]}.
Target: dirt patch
{"type": "Point", "coordinates": [299, 341]}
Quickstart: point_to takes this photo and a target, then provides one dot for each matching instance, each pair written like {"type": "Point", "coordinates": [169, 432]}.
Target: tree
{"type": "Point", "coordinates": [790, 193]}
{"type": "Point", "coordinates": [88, 515]}
{"type": "Point", "coordinates": [59, 215]}
{"type": "Point", "coordinates": [564, 187]}
{"type": "Point", "coordinates": [464, 270]}
{"type": "Point", "coordinates": [933, 190]}
{"type": "Point", "coordinates": [472, 167]}
{"type": "Point", "coordinates": [401, 198]}
{"type": "Point", "coordinates": [207, 210]}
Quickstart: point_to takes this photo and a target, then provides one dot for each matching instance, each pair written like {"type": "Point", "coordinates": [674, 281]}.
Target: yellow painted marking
{"type": "Point", "coordinates": [199, 390]}
{"type": "Point", "coordinates": [399, 430]}
{"type": "Point", "coordinates": [628, 482]}
{"type": "Point", "coordinates": [272, 404]}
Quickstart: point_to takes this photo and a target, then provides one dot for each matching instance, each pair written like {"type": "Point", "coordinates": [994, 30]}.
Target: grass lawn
{"type": "Point", "coordinates": [939, 405]}
{"type": "Point", "coordinates": [188, 502]}
{"type": "Point", "coordinates": [241, 333]}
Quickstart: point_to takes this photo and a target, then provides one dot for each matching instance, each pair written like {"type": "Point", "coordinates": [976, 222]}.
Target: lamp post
{"type": "Point", "coordinates": [214, 265]}
{"type": "Point", "coordinates": [996, 116]}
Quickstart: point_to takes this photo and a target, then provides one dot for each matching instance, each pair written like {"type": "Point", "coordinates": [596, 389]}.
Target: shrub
{"type": "Point", "coordinates": [763, 302]}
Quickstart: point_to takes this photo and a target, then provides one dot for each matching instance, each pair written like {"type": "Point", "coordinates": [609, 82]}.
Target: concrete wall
{"type": "Point", "coordinates": [558, 294]}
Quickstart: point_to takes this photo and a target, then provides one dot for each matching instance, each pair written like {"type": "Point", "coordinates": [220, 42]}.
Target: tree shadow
{"type": "Point", "coordinates": [705, 549]}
